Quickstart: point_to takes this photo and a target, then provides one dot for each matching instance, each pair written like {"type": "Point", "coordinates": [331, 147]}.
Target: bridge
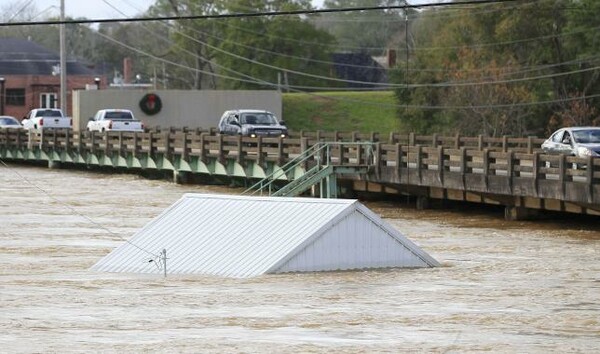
{"type": "Point", "coordinates": [506, 171]}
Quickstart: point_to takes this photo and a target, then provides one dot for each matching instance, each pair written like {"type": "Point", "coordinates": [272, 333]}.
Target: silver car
{"type": "Point", "coordinates": [576, 141]}
{"type": "Point", "coordinates": [252, 123]}
{"type": "Point", "coordinates": [10, 122]}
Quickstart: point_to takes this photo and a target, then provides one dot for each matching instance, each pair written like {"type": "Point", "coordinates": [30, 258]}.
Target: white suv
{"type": "Point", "coordinates": [252, 123]}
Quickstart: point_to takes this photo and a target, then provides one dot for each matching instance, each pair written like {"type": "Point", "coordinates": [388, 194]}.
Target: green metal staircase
{"type": "Point", "coordinates": [323, 171]}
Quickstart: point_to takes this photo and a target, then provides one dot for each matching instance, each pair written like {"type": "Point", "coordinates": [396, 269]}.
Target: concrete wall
{"type": "Point", "coordinates": [180, 108]}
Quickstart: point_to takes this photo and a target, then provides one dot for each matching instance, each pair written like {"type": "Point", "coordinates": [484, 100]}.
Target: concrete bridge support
{"type": "Point", "coordinates": [54, 164]}
{"type": "Point", "coordinates": [181, 177]}
{"type": "Point", "coordinates": [423, 203]}
{"type": "Point", "coordinates": [496, 172]}
{"type": "Point", "coordinates": [516, 213]}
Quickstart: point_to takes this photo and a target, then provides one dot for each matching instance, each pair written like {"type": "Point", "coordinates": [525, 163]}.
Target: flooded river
{"type": "Point", "coordinates": [504, 287]}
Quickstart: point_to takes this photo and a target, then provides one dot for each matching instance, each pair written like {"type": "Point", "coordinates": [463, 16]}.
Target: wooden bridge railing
{"type": "Point", "coordinates": [205, 143]}
{"type": "Point", "coordinates": [505, 143]}
{"type": "Point", "coordinates": [199, 143]}
{"type": "Point", "coordinates": [560, 177]}
{"type": "Point", "coordinates": [476, 163]}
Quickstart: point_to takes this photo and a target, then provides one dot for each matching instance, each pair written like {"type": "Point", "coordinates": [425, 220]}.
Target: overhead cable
{"type": "Point", "coordinates": [255, 14]}
{"type": "Point", "coordinates": [73, 210]}
{"type": "Point", "coordinates": [379, 104]}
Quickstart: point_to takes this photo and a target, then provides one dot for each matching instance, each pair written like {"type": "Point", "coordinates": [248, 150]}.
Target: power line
{"type": "Point", "coordinates": [17, 13]}
{"type": "Point", "coordinates": [379, 104]}
{"type": "Point", "coordinates": [463, 107]}
{"type": "Point", "coordinates": [381, 85]}
{"type": "Point", "coordinates": [166, 61]}
{"type": "Point", "coordinates": [506, 81]}
{"type": "Point", "coordinates": [326, 62]}
{"type": "Point", "coordinates": [263, 82]}
{"type": "Point", "coordinates": [280, 54]}
{"type": "Point", "coordinates": [73, 210]}
{"type": "Point", "coordinates": [255, 14]}
{"type": "Point", "coordinates": [414, 48]}
{"type": "Point", "coordinates": [362, 66]}
{"type": "Point", "coordinates": [294, 89]}
{"type": "Point", "coordinates": [272, 66]}
{"type": "Point", "coordinates": [417, 15]}
{"type": "Point", "coordinates": [518, 41]}
{"type": "Point", "coordinates": [250, 79]}
{"type": "Point", "coordinates": [482, 45]}
{"type": "Point", "coordinates": [523, 70]}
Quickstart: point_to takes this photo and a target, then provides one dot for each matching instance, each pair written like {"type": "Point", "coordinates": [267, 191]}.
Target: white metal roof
{"type": "Point", "coordinates": [239, 236]}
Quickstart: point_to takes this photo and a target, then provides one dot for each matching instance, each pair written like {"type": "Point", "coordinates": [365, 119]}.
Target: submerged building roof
{"type": "Point", "coordinates": [239, 236]}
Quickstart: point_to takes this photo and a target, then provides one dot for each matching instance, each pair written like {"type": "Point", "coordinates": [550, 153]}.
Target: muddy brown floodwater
{"type": "Point", "coordinates": [504, 287]}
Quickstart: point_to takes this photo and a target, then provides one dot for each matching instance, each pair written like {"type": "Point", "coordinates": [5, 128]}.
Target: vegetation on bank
{"type": "Point", "coordinates": [508, 68]}
{"type": "Point", "coordinates": [342, 111]}
{"type": "Point", "coordinates": [516, 68]}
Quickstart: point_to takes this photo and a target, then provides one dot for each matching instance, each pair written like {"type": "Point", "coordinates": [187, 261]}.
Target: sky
{"type": "Point", "coordinates": [92, 9]}
{"type": "Point", "coordinates": [98, 9]}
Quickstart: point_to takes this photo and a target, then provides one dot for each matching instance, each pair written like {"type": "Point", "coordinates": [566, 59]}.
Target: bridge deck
{"type": "Point", "coordinates": [507, 171]}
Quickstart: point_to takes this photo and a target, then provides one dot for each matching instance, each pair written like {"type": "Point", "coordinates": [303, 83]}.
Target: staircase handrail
{"type": "Point", "coordinates": [294, 188]}
{"type": "Point", "coordinates": [314, 150]}
{"type": "Point", "coordinates": [306, 176]}
{"type": "Point", "coordinates": [293, 163]}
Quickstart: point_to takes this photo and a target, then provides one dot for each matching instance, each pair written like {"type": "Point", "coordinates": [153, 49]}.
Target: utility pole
{"type": "Point", "coordinates": [63, 61]}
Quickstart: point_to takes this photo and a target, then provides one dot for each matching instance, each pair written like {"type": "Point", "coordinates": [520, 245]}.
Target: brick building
{"type": "Point", "coordinates": [30, 77]}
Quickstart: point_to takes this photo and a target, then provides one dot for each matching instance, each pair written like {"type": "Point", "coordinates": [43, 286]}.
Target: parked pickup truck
{"type": "Point", "coordinates": [114, 120]}
{"type": "Point", "coordinates": [46, 118]}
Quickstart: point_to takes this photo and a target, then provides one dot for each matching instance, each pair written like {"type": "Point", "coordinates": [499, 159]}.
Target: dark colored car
{"type": "Point", "coordinates": [252, 123]}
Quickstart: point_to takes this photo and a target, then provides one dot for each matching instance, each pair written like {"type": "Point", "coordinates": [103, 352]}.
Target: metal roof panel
{"type": "Point", "coordinates": [234, 236]}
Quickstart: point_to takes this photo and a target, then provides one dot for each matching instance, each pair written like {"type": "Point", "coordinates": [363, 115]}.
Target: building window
{"type": "Point", "coordinates": [48, 100]}
{"type": "Point", "coordinates": [15, 97]}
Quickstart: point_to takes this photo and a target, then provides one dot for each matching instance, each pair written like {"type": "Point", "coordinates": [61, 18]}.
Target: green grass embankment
{"type": "Point", "coordinates": [343, 111]}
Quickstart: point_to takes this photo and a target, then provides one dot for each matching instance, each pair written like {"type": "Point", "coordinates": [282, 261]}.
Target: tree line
{"type": "Point", "coordinates": [510, 68]}
{"type": "Point", "coordinates": [235, 53]}
{"type": "Point", "coordinates": [514, 68]}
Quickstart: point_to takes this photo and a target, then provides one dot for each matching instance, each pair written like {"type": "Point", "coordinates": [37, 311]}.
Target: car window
{"type": "Point", "coordinates": [8, 121]}
{"type": "Point", "coordinates": [118, 115]}
{"type": "Point", "coordinates": [48, 113]}
{"type": "Point", "coordinates": [248, 119]}
{"type": "Point", "coordinates": [557, 137]}
{"type": "Point", "coordinates": [266, 119]}
{"type": "Point", "coordinates": [587, 136]}
{"type": "Point", "coordinates": [259, 118]}
{"type": "Point", "coordinates": [231, 119]}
